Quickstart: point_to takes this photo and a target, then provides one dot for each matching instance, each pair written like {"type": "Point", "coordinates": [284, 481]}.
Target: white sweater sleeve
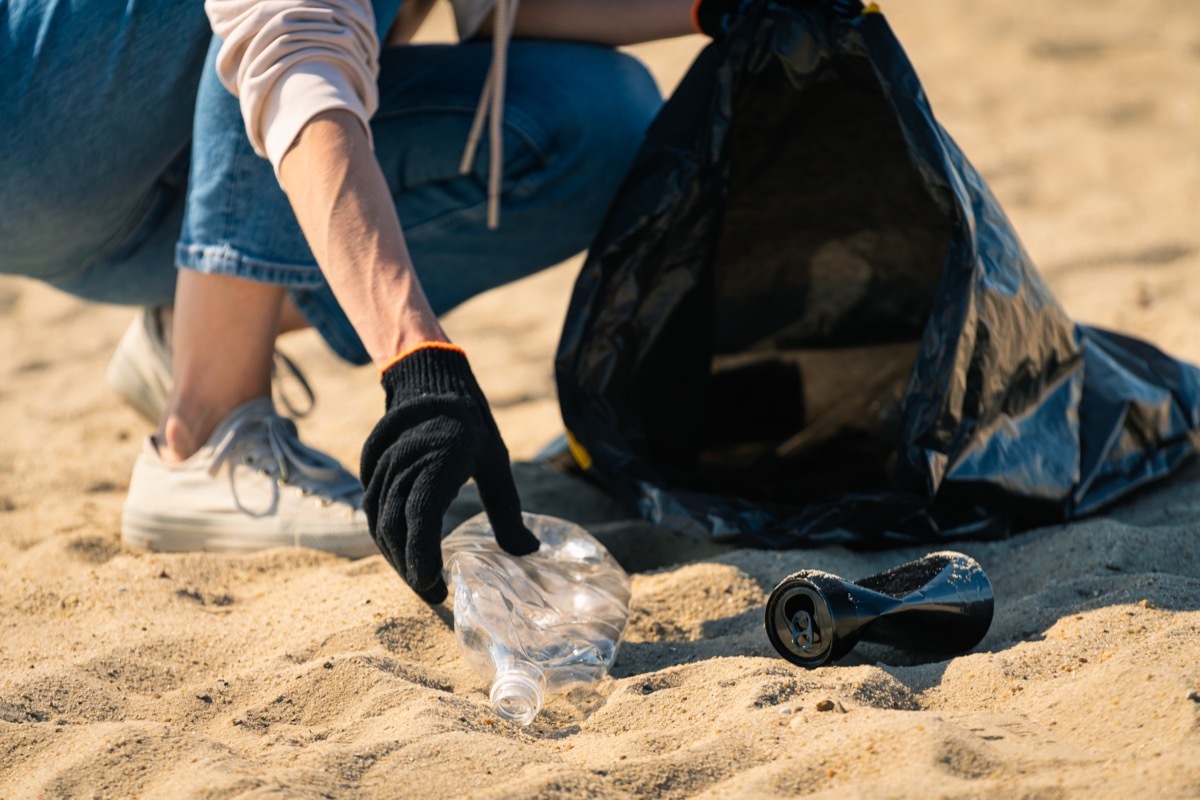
{"type": "Point", "coordinates": [289, 60]}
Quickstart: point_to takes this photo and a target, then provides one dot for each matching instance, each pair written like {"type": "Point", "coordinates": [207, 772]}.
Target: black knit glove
{"type": "Point", "coordinates": [716, 17]}
{"type": "Point", "coordinates": [437, 433]}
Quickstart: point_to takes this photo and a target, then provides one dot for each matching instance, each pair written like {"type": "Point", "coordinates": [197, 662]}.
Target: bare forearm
{"type": "Point", "coordinates": [610, 22]}
{"type": "Point", "coordinates": [346, 212]}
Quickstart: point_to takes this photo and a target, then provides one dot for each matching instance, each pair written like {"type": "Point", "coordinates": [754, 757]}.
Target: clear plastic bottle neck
{"type": "Point", "coordinates": [518, 691]}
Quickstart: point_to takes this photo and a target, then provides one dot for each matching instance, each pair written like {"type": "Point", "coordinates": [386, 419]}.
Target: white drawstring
{"type": "Point", "coordinates": [491, 106]}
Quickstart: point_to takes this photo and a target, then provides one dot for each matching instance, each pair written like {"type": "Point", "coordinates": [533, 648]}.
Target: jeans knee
{"type": "Point", "coordinates": [601, 117]}
{"type": "Point", "coordinates": [619, 99]}
{"type": "Point", "coordinates": [622, 99]}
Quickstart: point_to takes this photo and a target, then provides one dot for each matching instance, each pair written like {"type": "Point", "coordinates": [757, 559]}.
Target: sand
{"type": "Point", "coordinates": [295, 674]}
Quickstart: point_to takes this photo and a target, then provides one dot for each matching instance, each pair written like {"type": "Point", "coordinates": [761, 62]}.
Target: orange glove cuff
{"type": "Point", "coordinates": [422, 346]}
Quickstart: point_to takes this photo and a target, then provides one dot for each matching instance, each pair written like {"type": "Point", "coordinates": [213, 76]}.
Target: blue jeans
{"type": "Point", "coordinates": [121, 156]}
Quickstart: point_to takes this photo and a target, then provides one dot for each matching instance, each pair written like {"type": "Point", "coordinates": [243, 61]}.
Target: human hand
{"type": "Point", "coordinates": [437, 432]}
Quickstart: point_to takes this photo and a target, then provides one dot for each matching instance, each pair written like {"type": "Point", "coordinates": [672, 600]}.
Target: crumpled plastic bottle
{"type": "Point", "coordinates": [539, 624]}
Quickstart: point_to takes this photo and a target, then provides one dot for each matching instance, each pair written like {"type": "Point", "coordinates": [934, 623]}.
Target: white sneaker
{"type": "Point", "coordinates": [253, 485]}
{"type": "Point", "coordinates": [140, 369]}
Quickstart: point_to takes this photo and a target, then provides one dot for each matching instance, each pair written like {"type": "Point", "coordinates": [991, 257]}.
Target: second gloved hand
{"type": "Point", "coordinates": [715, 17]}
{"type": "Point", "coordinates": [437, 433]}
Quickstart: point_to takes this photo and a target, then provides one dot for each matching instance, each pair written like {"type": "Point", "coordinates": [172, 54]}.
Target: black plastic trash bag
{"type": "Point", "coordinates": [806, 319]}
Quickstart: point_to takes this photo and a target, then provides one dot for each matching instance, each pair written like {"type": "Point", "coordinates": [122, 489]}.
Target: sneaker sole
{"type": "Point", "coordinates": [166, 534]}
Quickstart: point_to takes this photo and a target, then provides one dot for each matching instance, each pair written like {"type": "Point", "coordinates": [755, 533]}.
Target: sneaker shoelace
{"type": "Point", "coordinates": [271, 444]}
{"type": "Point", "coordinates": [281, 366]}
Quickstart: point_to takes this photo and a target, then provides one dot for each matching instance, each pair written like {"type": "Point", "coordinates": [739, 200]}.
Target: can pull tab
{"type": "Point", "coordinates": [801, 627]}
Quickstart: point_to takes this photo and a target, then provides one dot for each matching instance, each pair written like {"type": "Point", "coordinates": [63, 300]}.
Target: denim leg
{"type": "Point", "coordinates": [96, 106]}
{"type": "Point", "coordinates": [238, 221]}
{"type": "Point", "coordinates": [574, 117]}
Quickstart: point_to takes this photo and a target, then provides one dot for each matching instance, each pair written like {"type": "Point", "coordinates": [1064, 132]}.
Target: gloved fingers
{"type": "Point", "coordinates": [434, 488]}
{"type": "Point", "coordinates": [498, 491]}
{"type": "Point", "coordinates": [387, 501]}
{"type": "Point", "coordinates": [715, 17]}
{"type": "Point", "coordinates": [384, 495]}
{"type": "Point", "coordinates": [435, 594]}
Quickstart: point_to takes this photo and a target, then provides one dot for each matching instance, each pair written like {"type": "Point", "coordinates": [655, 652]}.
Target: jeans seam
{"type": "Point", "coordinates": [229, 206]}
{"type": "Point", "coordinates": [510, 125]}
{"type": "Point", "coordinates": [223, 259]}
{"type": "Point", "coordinates": [465, 215]}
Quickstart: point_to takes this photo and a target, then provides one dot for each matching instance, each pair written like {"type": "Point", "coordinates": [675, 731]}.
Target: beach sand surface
{"type": "Point", "coordinates": [292, 674]}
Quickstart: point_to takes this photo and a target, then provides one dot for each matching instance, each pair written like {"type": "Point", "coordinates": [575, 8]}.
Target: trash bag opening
{"type": "Point", "coordinates": [824, 275]}
{"type": "Point", "coordinates": [670, 380]}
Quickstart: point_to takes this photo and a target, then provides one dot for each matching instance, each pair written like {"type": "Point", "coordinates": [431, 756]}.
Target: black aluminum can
{"type": "Point", "coordinates": [936, 606]}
